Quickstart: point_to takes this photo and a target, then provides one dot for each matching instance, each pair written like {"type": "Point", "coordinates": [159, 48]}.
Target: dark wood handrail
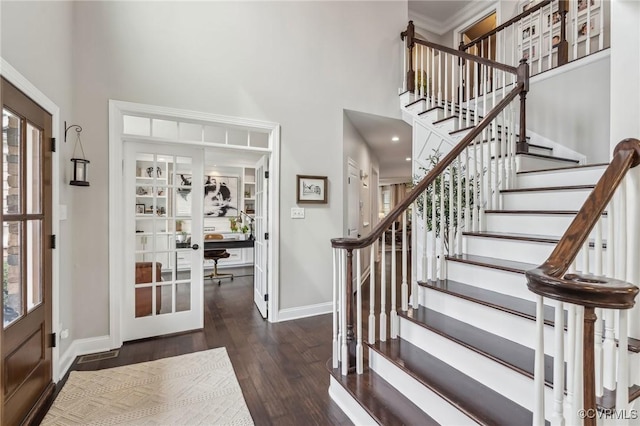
{"type": "Point", "coordinates": [506, 24]}
{"type": "Point", "coordinates": [548, 279]}
{"type": "Point", "coordinates": [356, 243]}
{"type": "Point", "coordinates": [468, 56]}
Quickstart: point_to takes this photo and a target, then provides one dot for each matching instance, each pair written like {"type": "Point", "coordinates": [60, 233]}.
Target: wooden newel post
{"type": "Point", "coordinates": [409, 33]}
{"type": "Point", "coordinates": [351, 341]}
{"type": "Point", "coordinates": [563, 45]}
{"type": "Point", "coordinates": [588, 359]}
{"type": "Point", "coordinates": [523, 77]}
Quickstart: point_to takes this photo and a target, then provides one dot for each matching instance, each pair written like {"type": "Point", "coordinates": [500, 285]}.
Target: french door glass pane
{"type": "Point", "coordinates": [12, 274]}
{"type": "Point", "coordinates": [34, 264]}
{"type": "Point", "coordinates": [34, 170]}
{"type": "Point", "coordinates": [11, 137]}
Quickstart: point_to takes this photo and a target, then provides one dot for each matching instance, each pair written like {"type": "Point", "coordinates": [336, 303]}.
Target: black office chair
{"type": "Point", "coordinates": [215, 255]}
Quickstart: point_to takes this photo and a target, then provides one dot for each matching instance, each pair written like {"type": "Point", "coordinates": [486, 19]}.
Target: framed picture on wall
{"type": "Point", "coordinates": [311, 189]}
{"type": "Point", "coordinates": [221, 196]}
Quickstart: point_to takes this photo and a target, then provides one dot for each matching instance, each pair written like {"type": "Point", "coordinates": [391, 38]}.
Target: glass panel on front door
{"type": "Point", "coordinates": [163, 234]}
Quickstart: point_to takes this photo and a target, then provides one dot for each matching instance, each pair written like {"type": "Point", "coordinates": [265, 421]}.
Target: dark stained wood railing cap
{"type": "Point", "coordinates": [629, 144]}
{"type": "Point", "coordinates": [583, 289]}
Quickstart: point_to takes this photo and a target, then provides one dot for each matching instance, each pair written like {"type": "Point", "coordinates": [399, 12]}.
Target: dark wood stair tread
{"type": "Point", "coordinates": [578, 167]}
{"type": "Point", "coordinates": [537, 212]}
{"type": "Point", "coordinates": [381, 400]}
{"type": "Point", "coordinates": [476, 400]}
{"type": "Point", "coordinates": [492, 262]}
{"type": "Point", "coordinates": [547, 188]}
{"type": "Point", "coordinates": [504, 351]}
{"type": "Point", "coordinates": [608, 400]}
{"type": "Point", "coordinates": [513, 305]}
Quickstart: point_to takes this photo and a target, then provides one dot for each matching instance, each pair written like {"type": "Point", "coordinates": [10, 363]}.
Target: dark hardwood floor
{"type": "Point", "coordinates": [281, 367]}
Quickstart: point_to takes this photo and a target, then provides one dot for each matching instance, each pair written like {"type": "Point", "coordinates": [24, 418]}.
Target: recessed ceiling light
{"type": "Point", "coordinates": [395, 139]}
{"type": "Point", "coordinates": [408, 158]}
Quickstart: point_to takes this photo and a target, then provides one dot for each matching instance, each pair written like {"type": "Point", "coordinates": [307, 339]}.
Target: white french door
{"type": "Point", "coordinates": [163, 188]}
{"type": "Point", "coordinates": [260, 276]}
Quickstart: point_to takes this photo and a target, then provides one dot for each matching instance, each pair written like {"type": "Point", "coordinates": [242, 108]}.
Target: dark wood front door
{"type": "Point", "coordinates": [25, 341]}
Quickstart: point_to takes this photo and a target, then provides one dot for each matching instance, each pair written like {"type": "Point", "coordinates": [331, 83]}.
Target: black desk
{"type": "Point", "coordinates": [227, 244]}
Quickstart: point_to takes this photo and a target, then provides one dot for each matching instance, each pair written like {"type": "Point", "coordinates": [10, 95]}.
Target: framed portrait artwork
{"type": "Point", "coordinates": [311, 189]}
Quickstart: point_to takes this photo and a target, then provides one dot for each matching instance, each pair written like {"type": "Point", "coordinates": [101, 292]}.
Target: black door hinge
{"type": "Point", "coordinates": [266, 235]}
{"type": "Point", "coordinates": [266, 174]}
{"type": "Point", "coordinates": [54, 340]}
{"type": "Point", "coordinates": [53, 144]}
{"type": "Point", "coordinates": [53, 241]}
{"type": "Point", "coordinates": [266, 297]}
{"type": "Point", "coordinates": [349, 181]}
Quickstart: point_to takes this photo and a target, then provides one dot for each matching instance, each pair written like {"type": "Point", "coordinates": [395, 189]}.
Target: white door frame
{"type": "Point", "coordinates": [117, 109]}
{"type": "Point", "coordinates": [26, 87]}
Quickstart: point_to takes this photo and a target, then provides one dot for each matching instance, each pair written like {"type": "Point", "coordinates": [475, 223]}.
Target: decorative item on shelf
{"type": "Point", "coordinates": [140, 208]}
{"type": "Point", "coordinates": [244, 227]}
{"type": "Point", "coordinates": [80, 165]}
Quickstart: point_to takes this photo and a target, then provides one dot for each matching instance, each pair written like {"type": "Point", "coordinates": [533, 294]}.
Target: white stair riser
{"type": "Point", "coordinates": [525, 163]}
{"type": "Point", "coordinates": [507, 382]}
{"type": "Point", "coordinates": [581, 176]}
{"type": "Point", "coordinates": [433, 115]}
{"type": "Point", "coordinates": [406, 98]}
{"type": "Point", "coordinates": [545, 200]}
{"type": "Point", "coordinates": [348, 404]}
{"type": "Point", "coordinates": [459, 135]}
{"type": "Point", "coordinates": [428, 401]}
{"type": "Point", "coordinates": [540, 224]}
{"type": "Point", "coordinates": [417, 107]}
{"type": "Point", "coordinates": [518, 251]}
{"type": "Point", "coordinates": [511, 327]}
{"type": "Point", "coordinates": [540, 150]}
{"type": "Point", "coordinates": [510, 283]}
{"type": "Point", "coordinates": [448, 125]}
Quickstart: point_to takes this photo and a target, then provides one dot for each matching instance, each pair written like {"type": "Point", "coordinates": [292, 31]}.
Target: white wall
{"type": "Point", "coordinates": [37, 42]}
{"type": "Point", "coordinates": [571, 107]}
{"type": "Point", "coordinates": [296, 63]}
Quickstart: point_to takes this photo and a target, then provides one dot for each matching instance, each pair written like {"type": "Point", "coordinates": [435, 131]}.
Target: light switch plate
{"type": "Point", "coordinates": [297, 213]}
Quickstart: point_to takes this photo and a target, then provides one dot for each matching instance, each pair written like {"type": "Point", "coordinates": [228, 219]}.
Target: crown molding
{"type": "Point", "coordinates": [471, 10]}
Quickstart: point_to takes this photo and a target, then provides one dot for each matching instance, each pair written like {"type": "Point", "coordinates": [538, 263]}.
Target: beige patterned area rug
{"type": "Point", "coordinates": [194, 389]}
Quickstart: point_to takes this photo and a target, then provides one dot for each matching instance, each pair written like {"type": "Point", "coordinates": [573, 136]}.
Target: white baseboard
{"type": "Point", "coordinates": [82, 347]}
{"type": "Point", "coordinates": [305, 311]}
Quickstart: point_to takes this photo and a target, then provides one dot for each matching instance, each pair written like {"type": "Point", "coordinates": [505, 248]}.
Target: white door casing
{"type": "Point", "coordinates": [353, 202]}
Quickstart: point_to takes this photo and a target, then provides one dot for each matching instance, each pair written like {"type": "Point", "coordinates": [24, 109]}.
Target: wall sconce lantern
{"type": "Point", "coordinates": [80, 165]}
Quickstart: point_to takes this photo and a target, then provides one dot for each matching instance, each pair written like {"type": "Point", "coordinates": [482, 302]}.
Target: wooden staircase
{"type": "Point", "coordinates": [466, 354]}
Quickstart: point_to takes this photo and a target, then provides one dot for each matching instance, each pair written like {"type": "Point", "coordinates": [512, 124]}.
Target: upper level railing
{"type": "Point", "coordinates": [548, 34]}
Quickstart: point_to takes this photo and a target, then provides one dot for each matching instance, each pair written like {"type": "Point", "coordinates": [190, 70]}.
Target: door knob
{"type": "Point", "coordinates": [195, 247]}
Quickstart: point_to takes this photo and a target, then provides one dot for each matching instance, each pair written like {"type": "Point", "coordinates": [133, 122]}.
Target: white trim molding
{"type": "Point", "coordinates": [83, 347]}
{"type": "Point", "coordinates": [289, 314]}
{"type": "Point", "coordinates": [116, 240]}
{"type": "Point", "coordinates": [472, 10]}
{"type": "Point", "coordinates": [29, 89]}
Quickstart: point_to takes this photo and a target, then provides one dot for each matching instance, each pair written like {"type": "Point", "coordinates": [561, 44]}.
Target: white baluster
{"type": "Point", "coordinates": [571, 410]}
{"type": "Point", "coordinates": [598, 351]}
{"type": "Point", "coordinates": [416, 89]}
{"type": "Point", "coordinates": [609, 345]}
{"type": "Point", "coordinates": [394, 314]}
{"type": "Point", "coordinates": [425, 238]}
{"type": "Point", "coordinates": [441, 219]}
{"type": "Point", "coordinates": [588, 23]}
{"type": "Point", "coordinates": [482, 193]}
{"type": "Point", "coordinates": [440, 78]}
{"type": "Point", "coordinates": [452, 96]}
{"type": "Point", "coordinates": [467, 192]}
{"type": "Point", "coordinates": [359, 349]}
{"type": "Point", "coordinates": [383, 293]}
{"type": "Point", "coordinates": [336, 300]}
{"type": "Point", "coordinates": [422, 72]}
{"type": "Point", "coordinates": [538, 369]}
{"type": "Point", "coordinates": [558, 367]}
{"type": "Point", "coordinates": [405, 285]}
{"type": "Point", "coordinates": [622, 392]}
{"type": "Point", "coordinates": [473, 186]}
{"type": "Point", "coordinates": [372, 295]}
{"type": "Point", "coordinates": [586, 267]}
{"type": "Point", "coordinates": [468, 86]}
{"type": "Point", "coordinates": [450, 228]}
{"type": "Point", "coordinates": [579, 361]}
{"type": "Point", "coordinates": [446, 82]}
{"type": "Point", "coordinates": [404, 66]}
{"type": "Point", "coordinates": [487, 138]}
{"type": "Point", "coordinates": [344, 358]}
{"type": "Point", "coordinates": [459, 209]}
{"type": "Point", "coordinates": [434, 245]}
{"type": "Point", "coordinates": [432, 90]}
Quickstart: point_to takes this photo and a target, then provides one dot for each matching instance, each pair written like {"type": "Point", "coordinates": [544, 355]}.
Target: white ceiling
{"type": "Point", "coordinates": [441, 16]}
{"type": "Point", "coordinates": [377, 131]}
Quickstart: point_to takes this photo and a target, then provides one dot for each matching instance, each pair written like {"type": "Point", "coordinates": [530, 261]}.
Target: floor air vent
{"type": "Point", "coordinates": [98, 357]}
